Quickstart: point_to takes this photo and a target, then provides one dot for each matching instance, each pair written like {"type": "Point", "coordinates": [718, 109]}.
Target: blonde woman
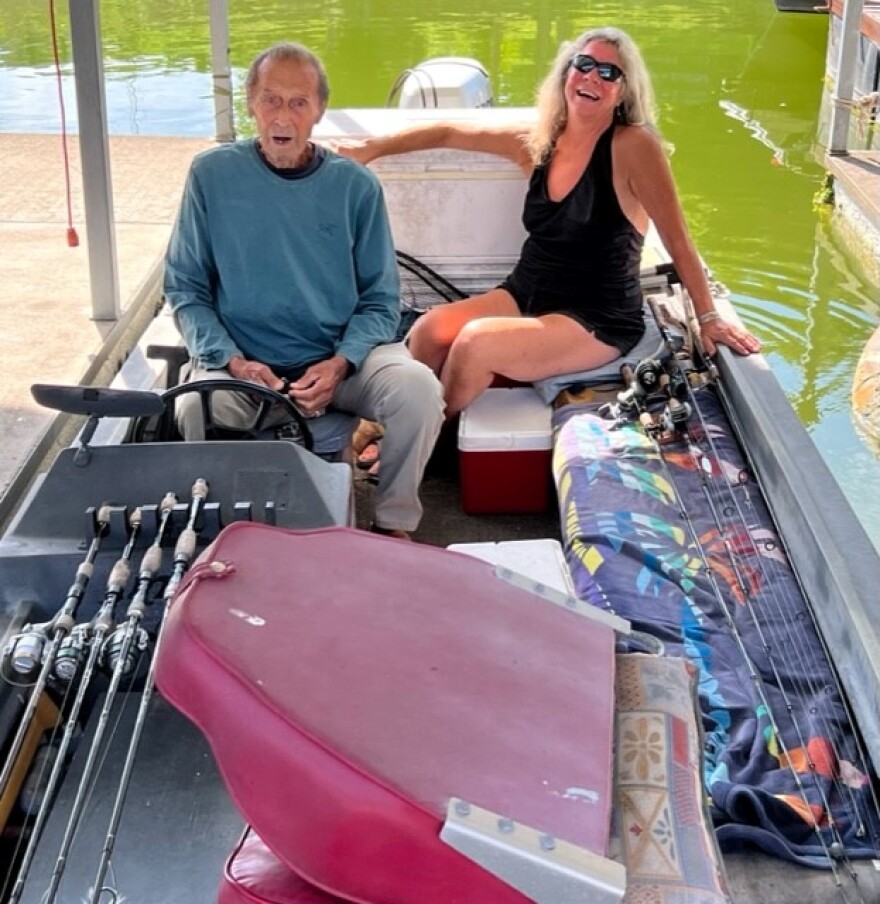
{"type": "Point", "coordinates": [598, 174]}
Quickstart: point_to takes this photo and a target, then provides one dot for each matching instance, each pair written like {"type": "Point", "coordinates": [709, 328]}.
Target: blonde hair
{"type": "Point", "coordinates": [636, 105]}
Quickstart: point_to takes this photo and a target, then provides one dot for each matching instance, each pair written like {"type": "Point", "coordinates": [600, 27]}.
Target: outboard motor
{"type": "Point", "coordinates": [443, 82]}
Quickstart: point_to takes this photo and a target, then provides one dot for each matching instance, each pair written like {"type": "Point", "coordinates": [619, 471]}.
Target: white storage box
{"type": "Point", "coordinates": [505, 443]}
{"type": "Point", "coordinates": [542, 561]}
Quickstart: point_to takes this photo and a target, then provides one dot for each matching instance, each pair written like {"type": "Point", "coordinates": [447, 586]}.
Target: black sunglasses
{"type": "Point", "coordinates": [608, 72]}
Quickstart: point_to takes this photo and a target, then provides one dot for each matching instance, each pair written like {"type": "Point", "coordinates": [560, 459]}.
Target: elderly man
{"type": "Point", "coordinates": [281, 271]}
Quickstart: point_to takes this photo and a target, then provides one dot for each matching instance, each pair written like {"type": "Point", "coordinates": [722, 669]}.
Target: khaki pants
{"type": "Point", "coordinates": [390, 388]}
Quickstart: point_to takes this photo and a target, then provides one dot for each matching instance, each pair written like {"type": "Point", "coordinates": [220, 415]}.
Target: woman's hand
{"type": "Point", "coordinates": [358, 149]}
{"type": "Point", "coordinates": [722, 332]}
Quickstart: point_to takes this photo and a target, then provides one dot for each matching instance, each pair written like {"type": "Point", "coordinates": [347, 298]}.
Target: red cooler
{"type": "Point", "coordinates": [505, 447]}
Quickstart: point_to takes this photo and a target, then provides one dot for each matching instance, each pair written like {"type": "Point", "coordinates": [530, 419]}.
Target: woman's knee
{"type": "Point", "coordinates": [476, 344]}
{"type": "Point", "coordinates": [429, 332]}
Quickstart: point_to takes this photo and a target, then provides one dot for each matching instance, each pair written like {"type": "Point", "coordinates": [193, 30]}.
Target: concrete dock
{"type": "Point", "coordinates": [46, 325]}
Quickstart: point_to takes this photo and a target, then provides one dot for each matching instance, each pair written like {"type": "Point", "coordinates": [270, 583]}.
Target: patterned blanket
{"type": "Point", "coordinates": [781, 763]}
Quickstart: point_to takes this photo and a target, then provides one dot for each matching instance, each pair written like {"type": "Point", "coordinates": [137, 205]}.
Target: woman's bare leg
{"type": "Point", "coordinates": [434, 332]}
{"type": "Point", "coordinates": [520, 348]}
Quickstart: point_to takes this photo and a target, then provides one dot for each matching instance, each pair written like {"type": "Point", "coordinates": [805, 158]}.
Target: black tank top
{"type": "Point", "coordinates": [582, 254]}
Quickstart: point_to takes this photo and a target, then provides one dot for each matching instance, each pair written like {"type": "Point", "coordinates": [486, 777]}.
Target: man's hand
{"type": "Point", "coordinates": [314, 390]}
{"type": "Point", "coordinates": [254, 371]}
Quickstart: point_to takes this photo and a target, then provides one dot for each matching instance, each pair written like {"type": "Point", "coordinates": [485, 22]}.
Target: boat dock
{"type": "Point", "coordinates": [48, 334]}
{"type": "Point", "coordinates": [856, 174]}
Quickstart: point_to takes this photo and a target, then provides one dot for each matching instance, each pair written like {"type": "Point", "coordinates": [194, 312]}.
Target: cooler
{"type": "Point", "coordinates": [505, 446]}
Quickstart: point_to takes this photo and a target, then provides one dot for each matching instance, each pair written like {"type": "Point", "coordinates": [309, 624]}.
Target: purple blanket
{"type": "Point", "coordinates": [734, 609]}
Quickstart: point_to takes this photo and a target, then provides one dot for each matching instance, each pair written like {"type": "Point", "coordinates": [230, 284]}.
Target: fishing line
{"type": "Point", "coordinates": [805, 672]}
{"type": "Point", "coordinates": [844, 790]}
{"type": "Point", "coordinates": [751, 600]}
{"type": "Point", "coordinates": [738, 640]}
{"type": "Point", "coordinates": [647, 377]}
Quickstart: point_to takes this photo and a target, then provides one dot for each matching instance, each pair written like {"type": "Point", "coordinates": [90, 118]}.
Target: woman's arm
{"type": "Point", "coordinates": [507, 141]}
{"type": "Point", "coordinates": [649, 178]}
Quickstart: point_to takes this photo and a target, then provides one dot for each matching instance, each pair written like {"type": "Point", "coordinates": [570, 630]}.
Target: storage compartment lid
{"type": "Point", "coordinates": [505, 420]}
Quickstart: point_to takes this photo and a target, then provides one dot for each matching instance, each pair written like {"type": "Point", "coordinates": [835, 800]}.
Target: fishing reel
{"type": "Point", "coordinates": [71, 654]}
{"type": "Point", "coordinates": [647, 376]}
{"type": "Point", "coordinates": [112, 649]}
{"type": "Point", "coordinates": [642, 381]}
{"type": "Point", "coordinates": [675, 416]}
{"type": "Point", "coordinates": [24, 653]}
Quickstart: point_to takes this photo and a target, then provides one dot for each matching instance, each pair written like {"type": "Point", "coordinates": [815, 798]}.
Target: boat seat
{"type": "Point", "coordinates": [349, 707]}
{"type": "Point", "coordinates": [254, 875]}
{"type": "Point", "coordinates": [661, 831]}
{"type": "Point", "coordinates": [549, 388]}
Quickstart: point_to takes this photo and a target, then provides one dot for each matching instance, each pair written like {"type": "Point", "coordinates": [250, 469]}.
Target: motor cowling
{"type": "Point", "coordinates": [444, 82]}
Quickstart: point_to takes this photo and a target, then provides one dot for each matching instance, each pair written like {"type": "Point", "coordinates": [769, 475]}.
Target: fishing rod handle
{"type": "Point", "coordinates": [169, 501]}
{"type": "Point", "coordinates": [150, 563]}
{"type": "Point", "coordinates": [200, 489]}
{"type": "Point", "coordinates": [85, 569]}
{"type": "Point", "coordinates": [186, 546]}
{"type": "Point", "coordinates": [119, 575]}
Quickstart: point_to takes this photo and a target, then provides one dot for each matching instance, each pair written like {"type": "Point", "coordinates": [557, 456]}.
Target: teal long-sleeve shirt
{"type": "Point", "coordinates": [285, 272]}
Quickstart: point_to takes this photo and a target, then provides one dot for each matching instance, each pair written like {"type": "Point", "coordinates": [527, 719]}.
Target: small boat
{"type": "Point", "coordinates": [346, 717]}
{"type": "Point", "coordinates": [866, 387]}
{"type": "Point", "coordinates": [802, 6]}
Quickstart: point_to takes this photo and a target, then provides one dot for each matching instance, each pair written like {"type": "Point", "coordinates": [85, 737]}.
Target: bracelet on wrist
{"type": "Point", "coordinates": [708, 317]}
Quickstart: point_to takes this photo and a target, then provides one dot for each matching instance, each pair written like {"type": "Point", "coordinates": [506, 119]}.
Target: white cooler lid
{"type": "Point", "coordinates": [505, 420]}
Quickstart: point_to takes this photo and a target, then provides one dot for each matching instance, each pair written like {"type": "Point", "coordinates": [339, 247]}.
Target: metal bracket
{"type": "Point", "coordinates": [572, 603]}
{"type": "Point", "coordinates": [545, 869]}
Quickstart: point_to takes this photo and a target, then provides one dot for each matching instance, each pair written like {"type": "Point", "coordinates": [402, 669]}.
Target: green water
{"type": "Point", "coordinates": [739, 87]}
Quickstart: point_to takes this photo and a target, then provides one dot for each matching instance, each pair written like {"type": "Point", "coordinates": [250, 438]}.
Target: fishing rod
{"type": "Point", "coordinates": [98, 629]}
{"type": "Point", "coordinates": [184, 553]}
{"type": "Point", "coordinates": [787, 611]}
{"type": "Point", "coordinates": [703, 467]}
{"type": "Point", "coordinates": [674, 421]}
{"type": "Point", "coordinates": [633, 399]}
{"type": "Point", "coordinates": [116, 649]}
{"type": "Point", "coordinates": [28, 650]}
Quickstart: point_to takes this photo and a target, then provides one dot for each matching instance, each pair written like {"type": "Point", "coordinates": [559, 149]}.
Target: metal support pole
{"type": "Point", "coordinates": [847, 59]}
{"type": "Point", "coordinates": [224, 121]}
{"type": "Point", "coordinates": [88, 64]}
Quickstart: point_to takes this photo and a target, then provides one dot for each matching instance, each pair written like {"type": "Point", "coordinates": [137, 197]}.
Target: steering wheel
{"type": "Point", "coordinates": [264, 398]}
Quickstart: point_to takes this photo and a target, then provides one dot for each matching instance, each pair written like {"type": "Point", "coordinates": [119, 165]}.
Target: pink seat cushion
{"type": "Point", "coordinates": [254, 875]}
{"type": "Point", "coordinates": [351, 684]}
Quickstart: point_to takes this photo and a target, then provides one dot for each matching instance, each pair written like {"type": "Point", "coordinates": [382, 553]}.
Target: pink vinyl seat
{"type": "Point", "coordinates": [350, 685]}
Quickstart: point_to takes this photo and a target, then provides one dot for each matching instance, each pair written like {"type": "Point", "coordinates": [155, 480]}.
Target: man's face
{"type": "Point", "coordinates": [286, 107]}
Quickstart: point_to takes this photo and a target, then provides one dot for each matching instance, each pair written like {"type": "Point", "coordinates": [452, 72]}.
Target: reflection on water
{"type": "Point", "coordinates": [739, 87]}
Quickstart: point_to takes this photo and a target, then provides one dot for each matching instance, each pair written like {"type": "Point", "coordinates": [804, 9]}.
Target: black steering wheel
{"type": "Point", "coordinates": [265, 399]}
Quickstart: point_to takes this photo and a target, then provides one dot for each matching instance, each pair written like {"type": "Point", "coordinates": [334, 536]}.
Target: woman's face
{"type": "Point", "coordinates": [594, 81]}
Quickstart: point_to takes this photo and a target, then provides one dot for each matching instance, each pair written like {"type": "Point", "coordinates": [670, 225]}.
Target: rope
{"type": "Point", "coordinates": [72, 237]}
